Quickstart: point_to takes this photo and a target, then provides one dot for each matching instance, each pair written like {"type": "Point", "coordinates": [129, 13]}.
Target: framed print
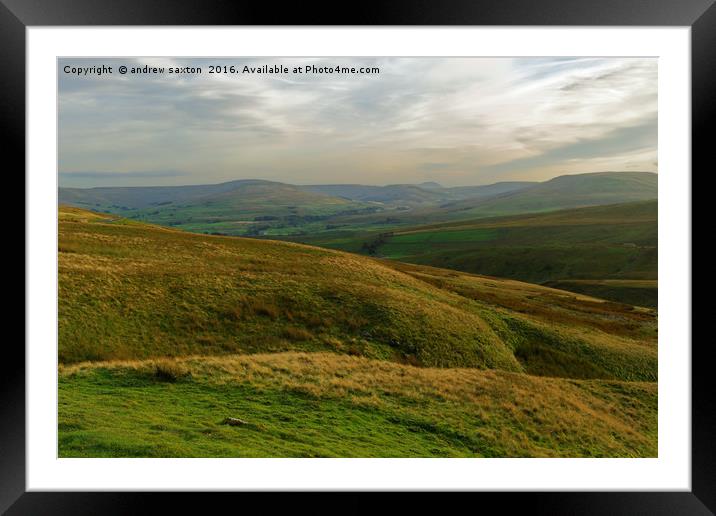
{"type": "Point", "coordinates": [444, 248]}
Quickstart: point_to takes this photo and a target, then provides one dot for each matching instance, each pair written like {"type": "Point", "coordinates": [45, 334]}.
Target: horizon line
{"type": "Point", "coordinates": [345, 184]}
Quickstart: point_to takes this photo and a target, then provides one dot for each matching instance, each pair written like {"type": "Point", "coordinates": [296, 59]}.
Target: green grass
{"type": "Point", "coordinates": [373, 409]}
{"type": "Point", "coordinates": [554, 334]}
{"type": "Point", "coordinates": [595, 243]}
{"type": "Point", "coordinates": [327, 353]}
{"type": "Point", "coordinates": [249, 208]}
{"type": "Point", "coordinates": [560, 193]}
{"type": "Point", "coordinates": [266, 208]}
{"type": "Point", "coordinates": [137, 291]}
{"type": "Point", "coordinates": [633, 292]}
{"type": "Point", "coordinates": [565, 192]}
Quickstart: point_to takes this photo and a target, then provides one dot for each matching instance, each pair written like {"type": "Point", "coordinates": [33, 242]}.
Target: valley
{"type": "Point", "coordinates": [607, 251]}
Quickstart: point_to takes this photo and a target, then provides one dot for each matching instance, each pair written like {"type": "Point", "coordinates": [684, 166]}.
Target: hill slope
{"type": "Point", "coordinates": [614, 242]}
{"type": "Point", "coordinates": [329, 405]}
{"type": "Point", "coordinates": [315, 353]}
{"type": "Point", "coordinates": [250, 208]}
{"type": "Point", "coordinates": [233, 208]}
{"type": "Point", "coordinates": [569, 191]}
{"type": "Point", "coordinates": [424, 193]}
{"type": "Point", "coordinates": [130, 290]}
{"type": "Point", "coordinates": [133, 197]}
{"type": "Point", "coordinates": [500, 199]}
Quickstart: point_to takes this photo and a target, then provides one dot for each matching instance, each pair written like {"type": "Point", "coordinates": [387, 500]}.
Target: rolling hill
{"type": "Point", "coordinates": [587, 245]}
{"type": "Point", "coordinates": [163, 334]}
{"type": "Point", "coordinates": [397, 194]}
{"type": "Point", "coordinates": [134, 291]}
{"type": "Point", "coordinates": [134, 197]}
{"type": "Point", "coordinates": [570, 191]}
{"type": "Point", "coordinates": [563, 192]}
{"type": "Point", "coordinates": [412, 195]}
{"type": "Point", "coordinates": [236, 207]}
{"type": "Point", "coordinates": [267, 208]}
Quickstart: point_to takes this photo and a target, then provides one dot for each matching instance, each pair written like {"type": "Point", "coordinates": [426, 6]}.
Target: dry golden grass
{"type": "Point", "coordinates": [187, 330]}
{"type": "Point", "coordinates": [520, 414]}
{"type": "Point", "coordinates": [130, 290]}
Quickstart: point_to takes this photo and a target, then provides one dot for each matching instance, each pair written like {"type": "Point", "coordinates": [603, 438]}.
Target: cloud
{"type": "Point", "coordinates": [614, 143]}
{"type": "Point", "coordinates": [451, 120]}
{"type": "Point", "coordinates": [112, 178]}
{"type": "Point", "coordinates": [109, 174]}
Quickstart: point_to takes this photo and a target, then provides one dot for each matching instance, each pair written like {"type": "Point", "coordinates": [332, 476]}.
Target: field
{"type": "Point", "coordinates": [237, 208]}
{"type": "Point", "coordinates": [633, 292]}
{"type": "Point", "coordinates": [163, 334]}
{"type": "Point", "coordinates": [584, 250]}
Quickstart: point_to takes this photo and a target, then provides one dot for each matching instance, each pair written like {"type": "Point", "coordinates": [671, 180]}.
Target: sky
{"type": "Point", "coordinates": [456, 121]}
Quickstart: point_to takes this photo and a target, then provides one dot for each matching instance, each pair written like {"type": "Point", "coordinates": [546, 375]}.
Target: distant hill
{"type": "Point", "coordinates": [407, 194]}
{"type": "Point", "coordinates": [493, 190]}
{"type": "Point", "coordinates": [423, 193]}
{"type": "Point", "coordinates": [430, 184]}
{"type": "Point", "coordinates": [268, 208]}
{"type": "Point", "coordinates": [562, 192]}
{"type": "Point", "coordinates": [235, 207]}
{"type": "Point", "coordinates": [468, 203]}
{"type": "Point", "coordinates": [146, 196]}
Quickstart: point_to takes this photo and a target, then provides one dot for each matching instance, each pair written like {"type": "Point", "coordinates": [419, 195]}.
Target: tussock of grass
{"type": "Point", "coordinates": [264, 309]}
{"type": "Point", "coordinates": [169, 370]}
{"type": "Point", "coordinates": [298, 334]}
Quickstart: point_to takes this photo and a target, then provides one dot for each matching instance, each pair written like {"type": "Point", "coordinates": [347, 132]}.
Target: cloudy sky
{"type": "Point", "coordinates": [457, 121]}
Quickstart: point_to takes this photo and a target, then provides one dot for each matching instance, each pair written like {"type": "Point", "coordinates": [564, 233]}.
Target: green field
{"type": "Point", "coordinates": [560, 193]}
{"type": "Point", "coordinates": [249, 209]}
{"type": "Point", "coordinates": [633, 292]}
{"type": "Point", "coordinates": [614, 242]}
{"type": "Point", "coordinates": [164, 333]}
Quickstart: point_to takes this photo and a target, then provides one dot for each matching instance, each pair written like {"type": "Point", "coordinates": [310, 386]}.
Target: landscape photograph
{"type": "Point", "coordinates": [357, 257]}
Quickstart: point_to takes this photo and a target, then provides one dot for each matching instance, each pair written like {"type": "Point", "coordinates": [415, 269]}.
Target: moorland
{"type": "Point", "coordinates": [178, 343]}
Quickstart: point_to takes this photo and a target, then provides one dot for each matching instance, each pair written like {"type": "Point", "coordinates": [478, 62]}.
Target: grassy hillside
{"type": "Point", "coordinates": [425, 193]}
{"type": "Point", "coordinates": [137, 197]}
{"type": "Point", "coordinates": [405, 194]}
{"type": "Point", "coordinates": [615, 242]}
{"type": "Point", "coordinates": [234, 208]}
{"type": "Point", "coordinates": [249, 209]}
{"type": "Point", "coordinates": [563, 192]}
{"type": "Point", "coordinates": [566, 192]}
{"type": "Point", "coordinates": [130, 290]}
{"type": "Point", "coordinates": [371, 408]}
{"type": "Point", "coordinates": [163, 334]}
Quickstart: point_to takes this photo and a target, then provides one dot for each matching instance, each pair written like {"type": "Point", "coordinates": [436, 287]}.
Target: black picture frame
{"type": "Point", "coordinates": [17, 15]}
